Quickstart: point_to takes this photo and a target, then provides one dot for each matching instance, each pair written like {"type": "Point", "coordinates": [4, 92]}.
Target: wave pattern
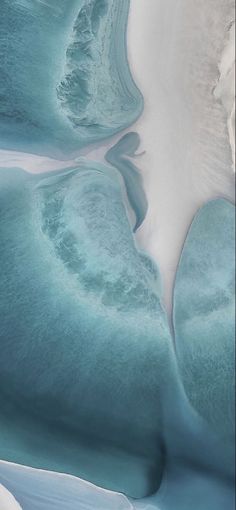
{"type": "Point", "coordinates": [204, 315]}
{"type": "Point", "coordinates": [85, 329]}
{"type": "Point", "coordinates": [66, 82]}
{"type": "Point", "coordinates": [97, 91]}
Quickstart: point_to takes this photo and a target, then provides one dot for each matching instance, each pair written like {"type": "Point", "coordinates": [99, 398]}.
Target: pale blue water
{"type": "Point", "coordinates": [182, 489]}
{"type": "Point", "coordinates": [204, 315]}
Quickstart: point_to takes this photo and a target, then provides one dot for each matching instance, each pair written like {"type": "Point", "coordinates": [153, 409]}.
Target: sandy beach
{"type": "Point", "coordinates": [174, 52]}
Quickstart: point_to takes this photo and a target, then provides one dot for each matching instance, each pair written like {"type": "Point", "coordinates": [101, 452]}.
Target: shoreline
{"type": "Point", "coordinates": [183, 129]}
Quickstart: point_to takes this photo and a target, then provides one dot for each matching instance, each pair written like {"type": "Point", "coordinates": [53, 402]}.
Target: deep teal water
{"type": "Point", "coordinates": [93, 388]}
{"type": "Point", "coordinates": [64, 74]}
{"type": "Point", "coordinates": [119, 156]}
{"type": "Point", "coordinates": [83, 326]}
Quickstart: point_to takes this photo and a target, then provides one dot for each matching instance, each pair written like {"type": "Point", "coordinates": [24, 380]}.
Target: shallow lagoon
{"type": "Point", "coordinates": [79, 296]}
{"type": "Point", "coordinates": [54, 415]}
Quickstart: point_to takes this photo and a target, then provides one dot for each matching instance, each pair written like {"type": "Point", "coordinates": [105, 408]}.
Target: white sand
{"type": "Point", "coordinates": [7, 501]}
{"type": "Point", "coordinates": [31, 162]}
{"type": "Point", "coordinates": [225, 89]}
{"type": "Point", "coordinates": [43, 486]}
{"type": "Point", "coordinates": [174, 51]}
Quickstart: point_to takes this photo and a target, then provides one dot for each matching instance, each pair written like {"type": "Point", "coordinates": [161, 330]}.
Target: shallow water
{"type": "Point", "coordinates": [83, 325]}
{"type": "Point", "coordinates": [66, 82]}
{"type": "Point", "coordinates": [98, 386]}
{"type": "Point", "coordinates": [118, 156]}
{"type": "Point", "coordinates": [68, 256]}
{"type": "Point", "coordinates": [194, 477]}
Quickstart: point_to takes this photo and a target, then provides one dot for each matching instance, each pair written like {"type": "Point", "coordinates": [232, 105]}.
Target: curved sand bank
{"type": "Point", "coordinates": [39, 490]}
{"type": "Point", "coordinates": [7, 501]}
{"type": "Point", "coordinates": [174, 51]}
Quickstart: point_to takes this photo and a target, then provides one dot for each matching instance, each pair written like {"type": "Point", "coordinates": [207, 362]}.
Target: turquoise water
{"type": "Point", "coordinates": [204, 315]}
{"type": "Point", "coordinates": [92, 381]}
{"type": "Point", "coordinates": [118, 156]}
{"type": "Point", "coordinates": [93, 388]}
{"type": "Point", "coordinates": [83, 325]}
{"type": "Point", "coordinates": [64, 75]}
